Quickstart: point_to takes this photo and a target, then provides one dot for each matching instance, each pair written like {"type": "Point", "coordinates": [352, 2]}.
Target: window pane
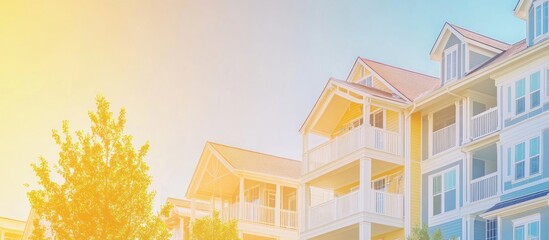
{"type": "Point", "coordinates": [437, 185]}
{"type": "Point", "coordinates": [534, 165]}
{"type": "Point", "coordinates": [448, 64]}
{"type": "Point", "coordinates": [454, 64]}
{"type": "Point", "coordinates": [533, 231]}
{"type": "Point", "coordinates": [534, 81]}
{"type": "Point", "coordinates": [534, 99]}
{"type": "Point", "coordinates": [437, 204]}
{"type": "Point", "coordinates": [521, 105]}
{"type": "Point", "coordinates": [534, 146]}
{"type": "Point", "coordinates": [508, 161]}
{"type": "Point", "coordinates": [519, 152]}
{"type": "Point", "coordinates": [538, 20]}
{"type": "Point", "coordinates": [547, 82]}
{"type": "Point", "coordinates": [519, 88]}
{"type": "Point", "coordinates": [519, 171]}
{"type": "Point", "coordinates": [509, 98]}
{"type": "Point", "coordinates": [450, 200]}
{"type": "Point", "coordinates": [545, 17]}
{"type": "Point", "coordinates": [519, 233]}
{"type": "Point", "coordinates": [449, 180]}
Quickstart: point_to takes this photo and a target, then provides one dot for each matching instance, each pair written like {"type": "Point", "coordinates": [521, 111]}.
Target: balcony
{"type": "Point", "coordinates": [357, 138]}
{"type": "Point", "coordinates": [377, 202]}
{"type": "Point", "coordinates": [444, 138]}
{"type": "Point", "coordinates": [256, 213]}
{"type": "Point", "coordinates": [484, 187]}
{"type": "Point", "coordinates": [484, 123]}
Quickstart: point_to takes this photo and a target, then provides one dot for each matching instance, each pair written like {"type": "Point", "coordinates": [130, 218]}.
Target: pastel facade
{"type": "Point", "coordinates": [258, 190]}
{"type": "Point", "coordinates": [388, 149]}
{"type": "Point", "coordinates": [11, 229]}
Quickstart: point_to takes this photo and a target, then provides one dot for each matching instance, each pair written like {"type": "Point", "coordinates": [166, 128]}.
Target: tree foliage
{"type": "Point", "coordinates": [422, 233]}
{"type": "Point", "coordinates": [99, 187]}
{"type": "Point", "coordinates": [212, 228]}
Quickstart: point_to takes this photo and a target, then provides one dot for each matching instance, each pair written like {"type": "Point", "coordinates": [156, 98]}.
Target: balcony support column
{"type": "Point", "coordinates": [365, 183]}
{"type": "Point", "coordinates": [459, 122]}
{"type": "Point", "coordinates": [468, 175]}
{"type": "Point", "coordinates": [277, 206]}
{"type": "Point", "coordinates": [499, 167]}
{"type": "Point", "coordinates": [467, 120]}
{"type": "Point", "coordinates": [241, 199]}
{"type": "Point", "coordinates": [366, 111]}
{"type": "Point", "coordinates": [303, 209]}
{"type": "Point", "coordinates": [305, 168]}
{"type": "Point", "coordinates": [430, 142]}
{"type": "Point", "coordinates": [365, 231]}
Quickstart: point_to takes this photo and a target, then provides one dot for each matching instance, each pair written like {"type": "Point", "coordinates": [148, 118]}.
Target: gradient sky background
{"type": "Point", "coordinates": [243, 73]}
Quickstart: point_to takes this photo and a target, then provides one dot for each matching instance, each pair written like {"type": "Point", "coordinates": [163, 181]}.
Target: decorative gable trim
{"type": "Point", "coordinates": [382, 80]}
{"type": "Point", "coordinates": [521, 9]}
{"type": "Point", "coordinates": [443, 37]}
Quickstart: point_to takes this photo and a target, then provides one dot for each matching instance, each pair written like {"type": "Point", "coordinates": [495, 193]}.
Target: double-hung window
{"type": "Point", "coordinates": [540, 18]}
{"type": "Point", "coordinates": [535, 94]}
{"type": "Point", "coordinates": [444, 192]}
{"type": "Point", "coordinates": [520, 99]}
{"type": "Point", "coordinates": [527, 158]}
{"type": "Point", "coordinates": [451, 58]}
{"type": "Point", "coordinates": [527, 228]}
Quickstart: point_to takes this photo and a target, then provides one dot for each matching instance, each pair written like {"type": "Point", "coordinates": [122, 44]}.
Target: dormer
{"type": "Point", "coordinates": [461, 51]}
{"type": "Point", "coordinates": [536, 15]}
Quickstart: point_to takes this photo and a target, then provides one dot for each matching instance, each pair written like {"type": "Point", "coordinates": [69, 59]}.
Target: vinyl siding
{"type": "Point", "coordinates": [392, 121]}
{"type": "Point", "coordinates": [398, 234]}
{"type": "Point", "coordinates": [507, 222]}
{"type": "Point", "coordinates": [380, 85]}
{"type": "Point", "coordinates": [480, 230]}
{"type": "Point", "coordinates": [415, 178]}
{"type": "Point", "coordinates": [449, 229]}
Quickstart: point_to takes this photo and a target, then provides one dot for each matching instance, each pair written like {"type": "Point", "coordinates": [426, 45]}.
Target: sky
{"type": "Point", "coordinates": [244, 73]}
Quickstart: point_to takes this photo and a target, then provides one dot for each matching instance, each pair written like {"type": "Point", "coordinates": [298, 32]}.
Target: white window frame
{"type": "Point", "coordinates": [524, 222]}
{"type": "Point", "coordinates": [430, 197]}
{"type": "Point", "coordinates": [539, 3]}
{"type": "Point", "coordinates": [450, 75]}
{"type": "Point", "coordinates": [530, 92]}
{"type": "Point", "coordinates": [367, 81]}
{"type": "Point", "coordinates": [527, 159]}
{"type": "Point", "coordinates": [383, 115]}
{"type": "Point", "coordinates": [511, 92]}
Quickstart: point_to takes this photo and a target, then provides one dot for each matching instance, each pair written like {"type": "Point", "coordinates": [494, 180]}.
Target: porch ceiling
{"type": "Point", "coordinates": [353, 232]}
{"type": "Point", "coordinates": [330, 116]}
{"type": "Point", "coordinates": [350, 174]}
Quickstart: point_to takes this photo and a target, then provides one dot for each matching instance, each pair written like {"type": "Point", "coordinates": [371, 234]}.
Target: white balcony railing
{"type": "Point", "coordinates": [484, 187]}
{"type": "Point", "coordinates": [388, 204]}
{"type": "Point", "coordinates": [256, 213]}
{"type": "Point", "coordinates": [484, 123]}
{"type": "Point", "coordinates": [363, 136]}
{"type": "Point", "coordinates": [444, 138]}
{"type": "Point", "coordinates": [288, 219]}
{"type": "Point", "coordinates": [377, 202]}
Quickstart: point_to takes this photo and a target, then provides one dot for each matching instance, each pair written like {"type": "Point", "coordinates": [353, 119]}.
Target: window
{"type": "Point", "coordinates": [527, 158]}
{"type": "Point", "coordinates": [527, 228]}
{"type": "Point", "coordinates": [547, 82]}
{"type": "Point", "coordinates": [376, 119]}
{"type": "Point", "coordinates": [520, 100]}
{"type": "Point", "coordinates": [534, 90]}
{"type": "Point", "coordinates": [451, 68]}
{"type": "Point", "coordinates": [540, 18]}
{"type": "Point", "coordinates": [443, 192]}
{"type": "Point", "coordinates": [492, 229]}
{"type": "Point", "coordinates": [367, 81]}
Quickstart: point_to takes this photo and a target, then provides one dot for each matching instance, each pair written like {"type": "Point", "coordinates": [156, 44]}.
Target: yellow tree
{"type": "Point", "coordinates": [99, 189]}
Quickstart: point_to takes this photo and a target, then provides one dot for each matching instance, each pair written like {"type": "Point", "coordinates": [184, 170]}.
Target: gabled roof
{"type": "Point", "coordinates": [481, 38]}
{"type": "Point", "coordinates": [369, 90]}
{"type": "Point", "coordinates": [521, 9]}
{"type": "Point", "coordinates": [251, 161]}
{"type": "Point", "coordinates": [511, 51]}
{"type": "Point", "coordinates": [408, 83]}
{"type": "Point", "coordinates": [469, 36]}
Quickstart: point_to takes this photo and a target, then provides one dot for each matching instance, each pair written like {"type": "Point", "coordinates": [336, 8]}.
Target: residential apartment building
{"type": "Point", "coordinates": [388, 149]}
{"type": "Point", "coordinates": [258, 190]}
{"type": "Point", "coordinates": [11, 229]}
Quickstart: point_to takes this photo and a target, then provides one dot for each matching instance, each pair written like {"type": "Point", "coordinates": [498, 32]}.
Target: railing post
{"type": "Point", "coordinates": [241, 199]}
{"type": "Point", "coordinates": [277, 206]}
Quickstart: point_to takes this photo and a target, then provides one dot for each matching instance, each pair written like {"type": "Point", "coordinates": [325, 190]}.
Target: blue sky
{"type": "Point", "coordinates": [242, 73]}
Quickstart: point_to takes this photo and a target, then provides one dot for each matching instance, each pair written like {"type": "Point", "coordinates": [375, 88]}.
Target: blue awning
{"type": "Point", "coordinates": [518, 200]}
